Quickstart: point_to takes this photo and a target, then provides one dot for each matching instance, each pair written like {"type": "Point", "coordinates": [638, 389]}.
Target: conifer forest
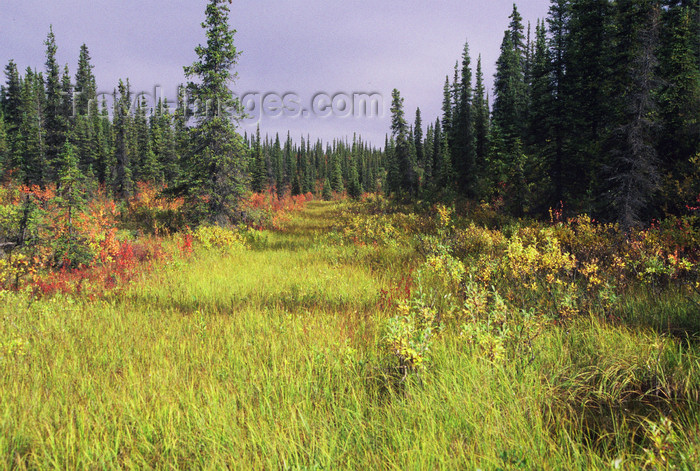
{"type": "Point", "coordinates": [511, 283]}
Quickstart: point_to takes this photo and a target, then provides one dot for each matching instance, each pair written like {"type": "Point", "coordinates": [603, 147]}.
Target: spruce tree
{"type": "Point", "coordinates": [85, 84]}
{"type": "Point", "coordinates": [163, 143]}
{"type": "Point", "coordinates": [589, 76]}
{"type": "Point", "coordinates": [103, 148]}
{"type": "Point", "coordinates": [327, 191]}
{"type": "Point", "coordinates": [481, 120]}
{"type": "Point", "coordinates": [446, 109]}
{"type": "Point", "coordinates": [428, 159]}
{"type": "Point", "coordinates": [337, 176]}
{"type": "Point", "coordinates": [4, 146]}
{"type": "Point", "coordinates": [71, 248]}
{"type": "Point", "coordinates": [277, 158]}
{"type": "Point", "coordinates": [11, 98]}
{"type": "Point", "coordinates": [354, 187]}
{"type": "Point", "coordinates": [418, 139]}
{"type": "Point", "coordinates": [218, 163]}
{"type": "Point", "coordinates": [516, 35]}
{"type": "Point", "coordinates": [29, 151]}
{"type": "Point", "coordinates": [558, 21]}
{"type": "Point", "coordinates": [399, 130]}
{"type": "Point", "coordinates": [259, 167]}
{"type": "Point", "coordinates": [54, 122]}
{"type": "Point", "coordinates": [122, 178]}
{"type": "Point", "coordinates": [539, 135]}
{"type": "Point", "coordinates": [635, 176]}
{"type": "Point", "coordinates": [509, 87]}
{"type": "Point", "coordinates": [679, 102]}
{"type": "Point", "coordinates": [463, 152]}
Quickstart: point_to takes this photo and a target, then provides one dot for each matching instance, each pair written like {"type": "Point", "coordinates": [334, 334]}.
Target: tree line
{"type": "Point", "coordinates": [597, 109]}
{"type": "Point", "coordinates": [53, 124]}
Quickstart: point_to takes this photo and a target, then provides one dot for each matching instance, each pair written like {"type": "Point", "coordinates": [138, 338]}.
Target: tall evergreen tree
{"type": "Point", "coordinates": [354, 187]}
{"type": "Point", "coordinates": [428, 151]}
{"type": "Point", "coordinates": [679, 105]}
{"type": "Point", "coordinates": [517, 36]}
{"type": "Point", "coordinates": [55, 123]}
{"type": "Point", "coordinates": [481, 120]}
{"type": "Point", "coordinates": [122, 177]}
{"type": "Point", "coordinates": [11, 98]}
{"type": "Point", "coordinates": [218, 162]}
{"type": "Point", "coordinates": [4, 146]}
{"type": "Point", "coordinates": [29, 146]}
{"type": "Point", "coordinates": [463, 152]}
{"type": "Point", "coordinates": [277, 158]}
{"type": "Point", "coordinates": [163, 143]}
{"type": "Point", "coordinates": [259, 166]}
{"type": "Point", "coordinates": [85, 84]}
{"type": "Point", "coordinates": [558, 21]}
{"type": "Point", "coordinates": [399, 130]}
{"type": "Point", "coordinates": [589, 78]}
{"type": "Point", "coordinates": [418, 139]}
{"type": "Point", "coordinates": [509, 87]}
{"type": "Point", "coordinates": [634, 170]}
{"type": "Point", "coordinates": [337, 176]}
{"type": "Point", "coordinates": [446, 109]}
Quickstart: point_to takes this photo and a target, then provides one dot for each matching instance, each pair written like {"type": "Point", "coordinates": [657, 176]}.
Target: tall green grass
{"type": "Point", "coordinates": [268, 359]}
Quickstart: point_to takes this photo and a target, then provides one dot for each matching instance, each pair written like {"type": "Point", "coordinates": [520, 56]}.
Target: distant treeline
{"type": "Point", "coordinates": [596, 109]}
{"type": "Point", "coordinates": [129, 140]}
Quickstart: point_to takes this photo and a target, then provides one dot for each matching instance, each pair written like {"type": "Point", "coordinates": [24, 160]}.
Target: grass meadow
{"type": "Point", "coordinates": [284, 355]}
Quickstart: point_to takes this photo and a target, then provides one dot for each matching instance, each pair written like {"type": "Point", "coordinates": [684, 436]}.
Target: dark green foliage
{"type": "Point", "coordinates": [85, 84]}
{"type": "Point", "coordinates": [635, 174]}
{"type": "Point", "coordinates": [446, 109]}
{"type": "Point", "coordinates": [70, 248]}
{"type": "Point", "coordinates": [418, 141]}
{"type": "Point", "coordinates": [481, 120]}
{"type": "Point", "coordinates": [4, 145]}
{"type": "Point", "coordinates": [327, 191]}
{"type": "Point", "coordinates": [354, 187]}
{"type": "Point", "coordinates": [598, 111]}
{"type": "Point", "coordinates": [28, 149]}
{"type": "Point", "coordinates": [122, 179]}
{"type": "Point", "coordinates": [163, 144]}
{"type": "Point", "coordinates": [11, 96]}
{"type": "Point", "coordinates": [679, 102]}
{"type": "Point", "coordinates": [217, 167]}
{"type": "Point", "coordinates": [558, 21]}
{"type": "Point", "coordinates": [402, 157]}
{"type": "Point", "coordinates": [337, 176]}
{"type": "Point", "coordinates": [88, 135]}
{"type": "Point", "coordinates": [277, 159]}
{"type": "Point", "coordinates": [463, 150]}
{"type": "Point", "coordinates": [509, 85]}
{"type": "Point", "coordinates": [258, 171]}
{"type": "Point", "coordinates": [56, 121]}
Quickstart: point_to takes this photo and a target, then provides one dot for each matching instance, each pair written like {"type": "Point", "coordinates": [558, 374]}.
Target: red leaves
{"type": "Point", "coordinates": [269, 211]}
{"type": "Point", "coordinates": [186, 247]}
{"type": "Point", "coordinates": [128, 261]}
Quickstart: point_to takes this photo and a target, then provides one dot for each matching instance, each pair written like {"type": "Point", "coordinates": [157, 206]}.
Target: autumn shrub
{"type": "Point", "coordinates": [220, 238]}
{"type": "Point", "coordinates": [408, 336]}
{"type": "Point", "coordinates": [269, 211]}
{"type": "Point", "coordinates": [150, 212]}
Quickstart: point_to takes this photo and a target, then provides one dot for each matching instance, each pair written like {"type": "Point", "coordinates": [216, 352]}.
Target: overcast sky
{"type": "Point", "coordinates": [304, 47]}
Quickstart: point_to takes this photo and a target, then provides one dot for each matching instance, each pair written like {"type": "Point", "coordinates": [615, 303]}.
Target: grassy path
{"type": "Point", "coordinates": [240, 359]}
{"type": "Point", "coordinates": [268, 359]}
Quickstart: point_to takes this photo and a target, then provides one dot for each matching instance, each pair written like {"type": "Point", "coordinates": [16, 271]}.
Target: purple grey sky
{"type": "Point", "coordinates": [292, 46]}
